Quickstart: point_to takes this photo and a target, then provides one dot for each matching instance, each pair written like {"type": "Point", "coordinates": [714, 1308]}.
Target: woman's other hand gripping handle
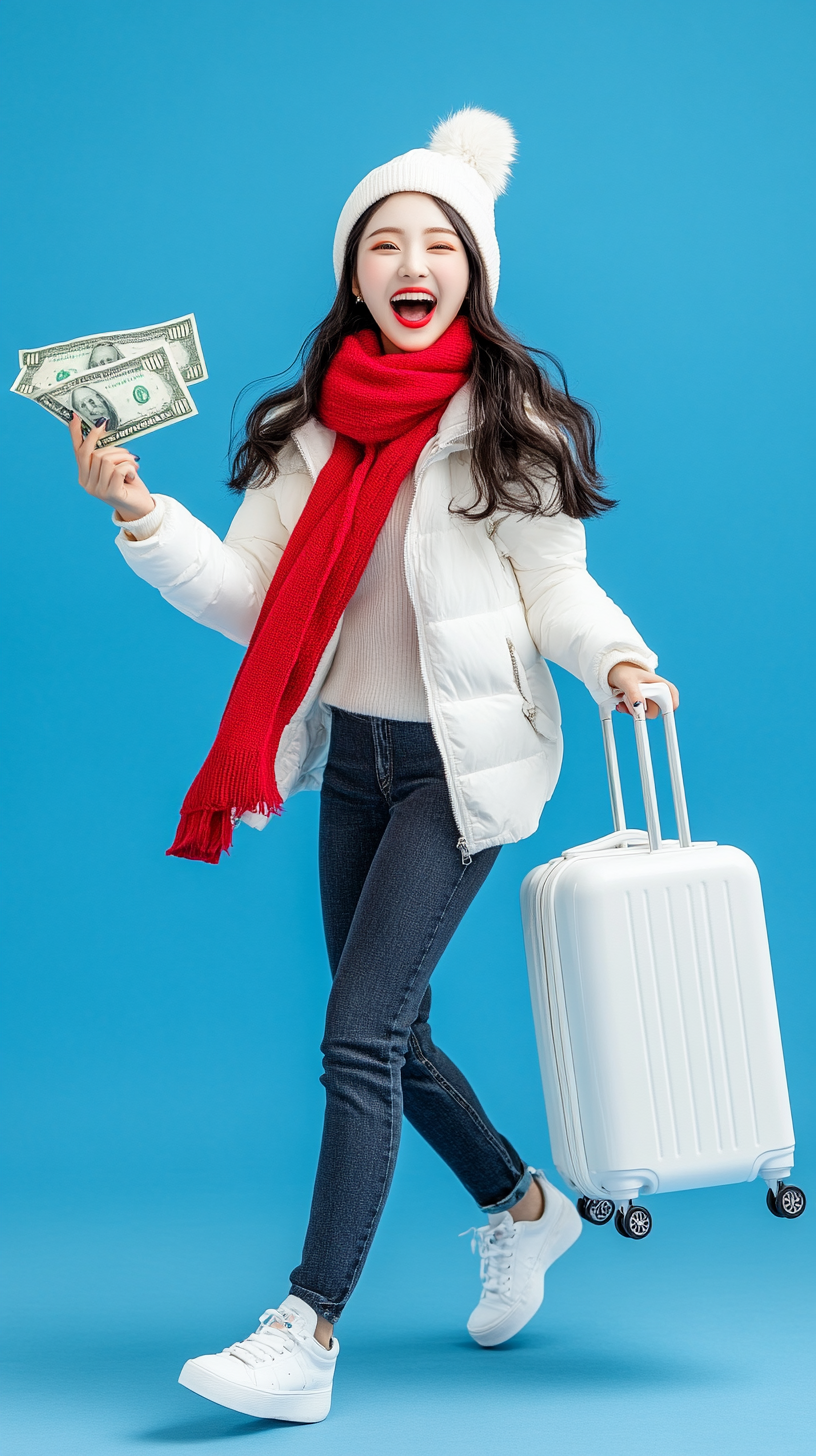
{"type": "Point", "coordinates": [626, 681]}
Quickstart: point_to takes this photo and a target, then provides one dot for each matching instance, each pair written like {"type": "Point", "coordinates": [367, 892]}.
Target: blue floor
{"type": "Point", "coordinates": [699, 1340]}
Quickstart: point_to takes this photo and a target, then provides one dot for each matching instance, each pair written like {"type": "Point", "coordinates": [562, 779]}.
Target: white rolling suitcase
{"type": "Point", "coordinates": [655, 1011]}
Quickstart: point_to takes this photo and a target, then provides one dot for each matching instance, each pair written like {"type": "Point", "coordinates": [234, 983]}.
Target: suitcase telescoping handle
{"type": "Point", "coordinates": [660, 694]}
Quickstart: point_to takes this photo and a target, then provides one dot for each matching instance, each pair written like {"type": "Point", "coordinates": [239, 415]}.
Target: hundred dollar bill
{"type": "Point", "coordinates": [41, 369]}
{"type": "Point", "coordinates": [135, 396]}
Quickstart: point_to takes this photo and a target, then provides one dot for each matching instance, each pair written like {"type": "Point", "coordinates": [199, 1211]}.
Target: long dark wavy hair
{"type": "Point", "coordinates": [513, 457]}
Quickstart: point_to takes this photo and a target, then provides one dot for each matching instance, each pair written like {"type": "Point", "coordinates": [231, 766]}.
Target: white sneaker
{"type": "Point", "coordinates": [280, 1373]}
{"type": "Point", "coordinates": [515, 1258]}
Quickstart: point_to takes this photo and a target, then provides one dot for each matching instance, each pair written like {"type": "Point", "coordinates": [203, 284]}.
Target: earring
{"type": "Point", "coordinates": [358, 298]}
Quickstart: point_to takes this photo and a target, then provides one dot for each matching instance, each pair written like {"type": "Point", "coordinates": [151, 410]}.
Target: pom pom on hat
{"type": "Point", "coordinates": [480, 138]}
{"type": "Point", "coordinates": [466, 164]}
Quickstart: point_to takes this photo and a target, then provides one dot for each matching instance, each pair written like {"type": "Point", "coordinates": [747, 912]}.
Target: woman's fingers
{"type": "Point", "coordinates": [110, 471]}
{"type": "Point", "coordinates": [95, 433]}
{"type": "Point", "coordinates": [96, 474]}
{"type": "Point", "coordinates": [96, 465]}
{"type": "Point", "coordinates": [637, 694]}
{"type": "Point", "coordinates": [652, 708]}
{"type": "Point", "coordinates": [638, 699]}
{"type": "Point", "coordinates": [122, 474]}
{"type": "Point", "coordinates": [113, 456]}
{"type": "Point", "coordinates": [99, 473]}
{"type": "Point", "coordinates": [86, 450]}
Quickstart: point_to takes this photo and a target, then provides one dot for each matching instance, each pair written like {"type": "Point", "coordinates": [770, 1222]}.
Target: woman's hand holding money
{"type": "Point", "coordinates": [112, 474]}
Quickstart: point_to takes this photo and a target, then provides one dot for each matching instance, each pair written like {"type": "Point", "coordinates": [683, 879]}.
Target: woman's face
{"type": "Point", "coordinates": [412, 271]}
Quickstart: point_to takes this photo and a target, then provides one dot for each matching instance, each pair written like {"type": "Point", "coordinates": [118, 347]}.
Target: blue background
{"type": "Point", "coordinates": [162, 1019]}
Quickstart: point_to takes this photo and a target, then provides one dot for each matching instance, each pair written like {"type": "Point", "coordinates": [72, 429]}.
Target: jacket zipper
{"type": "Point", "coordinates": [453, 792]}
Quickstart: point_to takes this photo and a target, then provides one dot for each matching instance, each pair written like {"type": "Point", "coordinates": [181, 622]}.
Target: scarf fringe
{"type": "Point", "coordinates": [206, 834]}
{"type": "Point", "coordinates": [203, 834]}
{"type": "Point", "coordinates": [227, 787]}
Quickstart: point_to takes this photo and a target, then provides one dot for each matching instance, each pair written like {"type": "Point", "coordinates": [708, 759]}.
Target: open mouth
{"type": "Point", "coordinates": [413, 306]}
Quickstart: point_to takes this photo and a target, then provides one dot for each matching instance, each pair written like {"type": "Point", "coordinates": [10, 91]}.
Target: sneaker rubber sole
{"type": "Point", "coordinates": [305, 1407]}
{"type": "Point", "coordinates": [567, 1230]}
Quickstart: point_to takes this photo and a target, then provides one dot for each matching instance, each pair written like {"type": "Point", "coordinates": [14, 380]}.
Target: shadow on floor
{"type": "Point", "coordinates": [449, 1369]}
{"type": "Point", "coordinates": [212, 1425]}
{"type": "Point", "coordinates": [533, 1360]}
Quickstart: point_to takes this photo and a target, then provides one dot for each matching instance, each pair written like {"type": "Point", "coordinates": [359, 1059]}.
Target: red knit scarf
{"type": "Point", "coordinates": [385, 408]}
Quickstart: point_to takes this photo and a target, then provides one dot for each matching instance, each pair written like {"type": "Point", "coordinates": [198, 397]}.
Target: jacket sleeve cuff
{"type": "Point", "coordinates": [255, 821]}
{"type": "Point", "coordinates": [620, 653]}
{"type": "Point", "coordinates": [145, 526]}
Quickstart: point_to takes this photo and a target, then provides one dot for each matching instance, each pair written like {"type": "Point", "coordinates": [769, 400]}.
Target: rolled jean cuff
{"type": "Point", "coordinates": [512, 1198]}
{"type": "Point", "coordinates": [325, 1308]}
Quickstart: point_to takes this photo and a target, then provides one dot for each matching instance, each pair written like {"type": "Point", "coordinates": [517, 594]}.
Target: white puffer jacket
{"type": "Point", "coordinates": [492, 600]}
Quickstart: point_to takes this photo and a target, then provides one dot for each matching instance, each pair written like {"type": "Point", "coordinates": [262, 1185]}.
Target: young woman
{"type": "Point", "coordinates": [408, 550]}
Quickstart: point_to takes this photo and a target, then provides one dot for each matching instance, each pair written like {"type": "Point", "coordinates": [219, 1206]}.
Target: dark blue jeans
{"type": "Point", "coordinates": [393, 889]}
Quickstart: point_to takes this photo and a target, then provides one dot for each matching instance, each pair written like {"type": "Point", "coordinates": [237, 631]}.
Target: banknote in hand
{"type": "Point", "coordinates": [135, 396]}
{"type": "Point", "coordinates": [41, 369]}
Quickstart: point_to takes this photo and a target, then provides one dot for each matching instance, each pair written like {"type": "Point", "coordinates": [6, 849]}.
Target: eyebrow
{"type": "Point", "coordinates": [401, 231]}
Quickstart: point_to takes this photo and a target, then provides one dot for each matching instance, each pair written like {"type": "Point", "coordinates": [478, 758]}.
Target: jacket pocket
{"type": "Point", "coordinates": [528, 707]}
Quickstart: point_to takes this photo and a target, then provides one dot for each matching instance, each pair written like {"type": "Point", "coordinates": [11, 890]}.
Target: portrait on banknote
{"type": "Point", "coordinates": [106, 353]}
{"type": "Point", "coordinates": [91, 405]}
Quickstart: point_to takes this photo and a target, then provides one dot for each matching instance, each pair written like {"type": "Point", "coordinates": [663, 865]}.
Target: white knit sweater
{"type": "Point", "coordinates": [376, 666]}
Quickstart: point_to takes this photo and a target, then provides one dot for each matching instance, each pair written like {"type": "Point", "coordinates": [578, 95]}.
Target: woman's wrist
{"type": "Point", "coordinates": [626, 662]}
{"type": "Point", "coordinates": [143, 526]}
{"type": "Point", "coordinates": [138, 504]}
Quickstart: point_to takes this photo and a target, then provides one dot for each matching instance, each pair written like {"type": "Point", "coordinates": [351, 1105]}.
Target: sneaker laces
{"type": "Point", "coordinates": [495, 1244]}
{"type": "Point", "coordinates": [275, 1335]}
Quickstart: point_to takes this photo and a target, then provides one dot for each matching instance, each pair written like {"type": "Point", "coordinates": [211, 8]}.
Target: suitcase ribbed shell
{"type": "Point", "coordinates": [656, 1020]}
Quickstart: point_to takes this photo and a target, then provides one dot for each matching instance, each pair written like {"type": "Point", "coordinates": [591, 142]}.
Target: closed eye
{"type": "Point", "coordinates": [393, 247]}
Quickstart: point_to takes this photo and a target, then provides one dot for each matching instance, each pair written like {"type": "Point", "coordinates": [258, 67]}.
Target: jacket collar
{"type": "Point", "coordinates": [315, 440]}
{"type": "Point", "coordinates": [454, 421]}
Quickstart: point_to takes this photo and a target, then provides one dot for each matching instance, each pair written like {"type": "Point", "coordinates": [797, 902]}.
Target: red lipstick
{"type": "Point", "coordinates": [418, 295]}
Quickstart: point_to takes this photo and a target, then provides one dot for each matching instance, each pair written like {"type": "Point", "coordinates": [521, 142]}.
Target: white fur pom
{"type": "Point", "coordinates": [481, 138]}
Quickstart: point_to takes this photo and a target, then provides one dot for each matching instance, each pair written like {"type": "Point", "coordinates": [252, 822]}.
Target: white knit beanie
{"type": "Point", "coordinates": [466, 164]}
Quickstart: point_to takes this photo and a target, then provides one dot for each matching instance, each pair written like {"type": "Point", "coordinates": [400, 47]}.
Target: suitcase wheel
{"type": "Point", "coordinates": [788, 1201]}
{"type": "Point", "coordinates": [596, 1210]}
{"type": "Point", "coordinates": [634, 1222]}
